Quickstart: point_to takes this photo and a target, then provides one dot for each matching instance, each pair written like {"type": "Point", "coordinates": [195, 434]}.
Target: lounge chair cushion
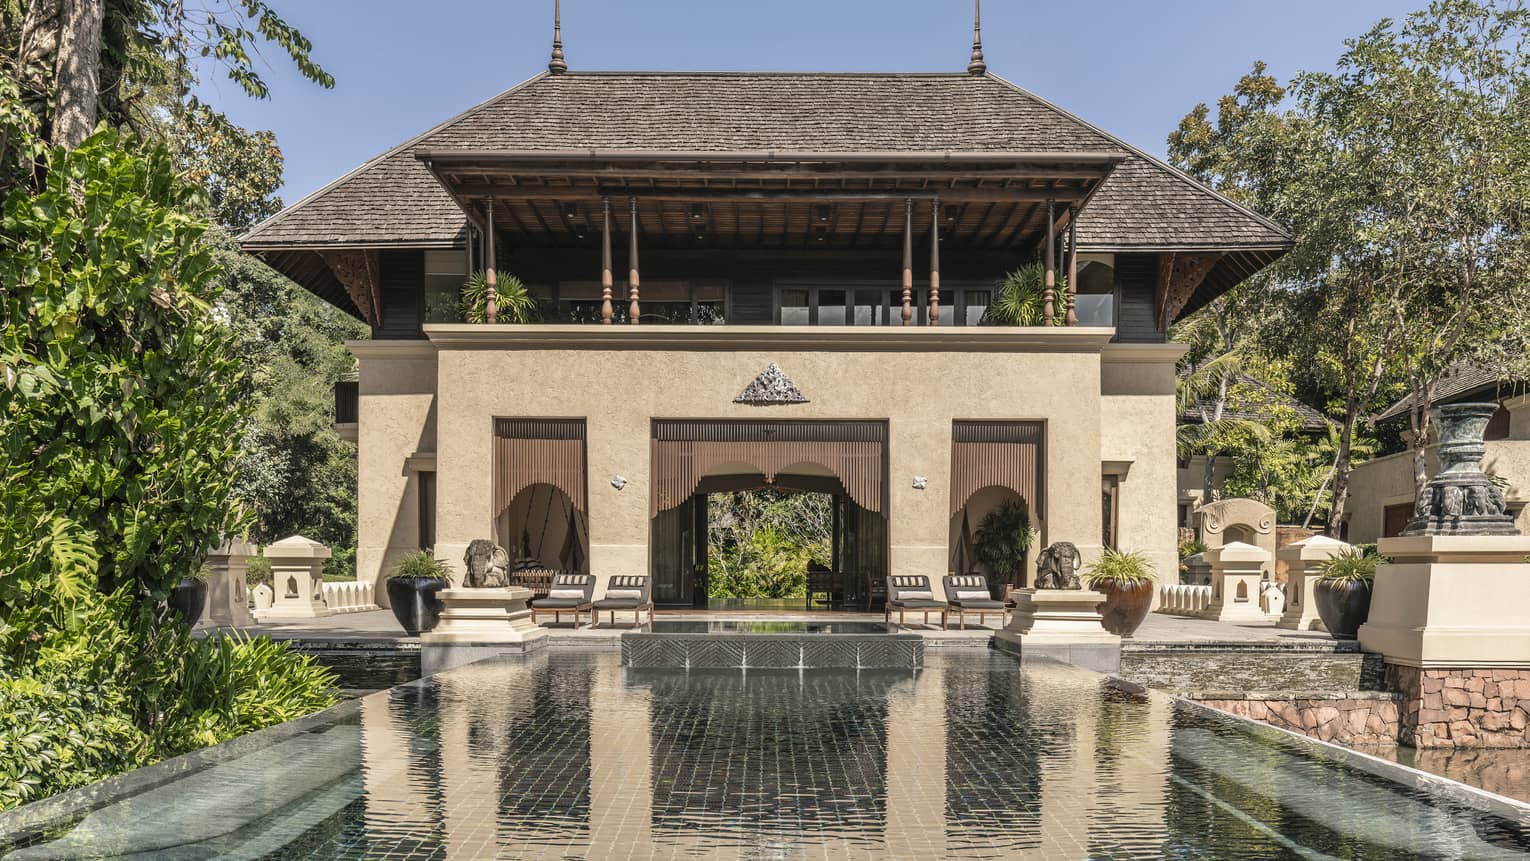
{"type": "Point", "coordinates": [915, 595]}
{"type": "Point", "coordinates": [623, 594]}
{"type": "Point", "coordinates": [551, 603]}
{"type": "Point", "coordinates": [918, 603]}
{"type": "Point", "coordinates": [984, 603]}
{"type": "Point", "coordinates": [565, 593]}
{"type": "Point", "coordinates": [972, 595]}
{"type": "Point", "coordinates": [619, 604]}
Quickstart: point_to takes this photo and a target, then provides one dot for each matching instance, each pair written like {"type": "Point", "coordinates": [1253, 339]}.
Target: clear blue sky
{"type": "Point", "coordinates": [1133, 67]}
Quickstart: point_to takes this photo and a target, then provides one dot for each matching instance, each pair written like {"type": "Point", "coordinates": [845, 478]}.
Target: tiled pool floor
{"type": "Point", "coordinates": [567, 755]}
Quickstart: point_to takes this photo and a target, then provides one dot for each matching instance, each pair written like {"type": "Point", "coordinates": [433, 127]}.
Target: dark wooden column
{"type": "Point", "coordinates": [1049, 294]}
{"type": "Point", "coordinates": [490, 269]}
{"type": "Point", "coordinates": [1072, 318]}
{"type": "Point", "coordinates": [908, 261]}
{"type": "Point", "coordinates": [634, 311]}
{"type": "Point", "coordinates": [606, 281]}
{"type": "Point", "coordinates": [935, 262]}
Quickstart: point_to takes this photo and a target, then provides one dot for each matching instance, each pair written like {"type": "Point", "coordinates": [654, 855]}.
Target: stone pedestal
{"type": "Point", "coordinates": [477, 624]}
{"type": "Point", "coordinates": [228, 594]}
{"type": "Point", "coordinates": [1303, 559]}
{"type": "Point", "coordinates": [1061, 625]}
{"type": "Point", "coordinates": [1236, 570]}
{"type": "Point", "coordinates": [1451, 601]}
{"type": "Point", "coordinates": [297, 575]}
{"type": "Point", "coordinates": [1451, 614]}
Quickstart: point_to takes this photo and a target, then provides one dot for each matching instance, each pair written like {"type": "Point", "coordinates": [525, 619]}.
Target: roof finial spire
{"type": "Point", "coordinates": [977, 66]}
{"type": "Point", "coordinates": [556, 65]}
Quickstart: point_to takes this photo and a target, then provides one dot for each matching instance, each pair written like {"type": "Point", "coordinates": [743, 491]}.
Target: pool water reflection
{"type": "Point", "coordinates": [570, 755]}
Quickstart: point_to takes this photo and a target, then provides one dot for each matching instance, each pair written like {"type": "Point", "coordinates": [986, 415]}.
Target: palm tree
{"type": "Point", "coordinates": [1021, 299]}
{"type": "Point", "coordinates": [513, 302]}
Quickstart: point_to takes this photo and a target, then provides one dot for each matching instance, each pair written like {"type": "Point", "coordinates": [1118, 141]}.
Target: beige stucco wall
{"type": "Point", "coordinates": [1137, 442]}
{"type": "Point", "coordinates": [396, 422]}
{"type": "Point", "coordinates": [1192, 479]}
{"type": "Point", "coordinates": [1385, 481]}
{"type": "Point", "coordinates": [440, 397]}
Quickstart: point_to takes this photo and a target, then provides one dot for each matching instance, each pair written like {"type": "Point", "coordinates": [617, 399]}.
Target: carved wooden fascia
{"type": "Point", "coordinates": [1179, 276]}
{"type": "Point", "coordinates": [357, 272]}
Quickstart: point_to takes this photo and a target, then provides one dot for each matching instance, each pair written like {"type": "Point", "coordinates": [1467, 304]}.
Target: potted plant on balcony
{"type": "Point", "coordinates": [1004, 535]}
{"type": "Point", "coordinates": [512, 301]}
{"type": "Point", "coordinates": [1021, 299]}
{"type": "Point", "coordinates": [1127, 581]}
{"type": "Point", "coordinates": [1343, 592]}
{"type": "Point", "coordinates": [412, 587]}
{"type": "Point", "coordinates": [190, 595]}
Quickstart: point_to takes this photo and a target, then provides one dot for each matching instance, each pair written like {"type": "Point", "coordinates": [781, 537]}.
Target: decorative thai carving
{"type": "Point", "coordinates": [1179, 276]}
{"type": "Point", "coordinates": [772, 386]}
{"type": "Point", "coordinates": [1057, 567]}
{"type": "Point", "coordinates": [357, 272]}
{"type": "Point", "coordinates": [1461, 499]}
{"type": "Point", "coordinates": [487, 565]}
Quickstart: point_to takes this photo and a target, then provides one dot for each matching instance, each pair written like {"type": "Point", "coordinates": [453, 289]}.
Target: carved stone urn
{"type": "Point", "coordinates": [1461, 499]}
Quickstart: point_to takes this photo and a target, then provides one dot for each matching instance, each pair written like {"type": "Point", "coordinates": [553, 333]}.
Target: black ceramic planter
{"type": "Point", "coordinates": [188, 598]}
{"type": "Point", "coordinates": [414, 602]}
{"type": "Point", "coordinates": [1343, 606]}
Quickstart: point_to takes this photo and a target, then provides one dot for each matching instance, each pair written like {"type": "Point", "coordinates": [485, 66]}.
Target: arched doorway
{"type": "Point", "coordinates": [700, 465]}
{"type": "Point", "coordinates": [967, 535]}
{"type": "Point", "coordinates": [542, 530]}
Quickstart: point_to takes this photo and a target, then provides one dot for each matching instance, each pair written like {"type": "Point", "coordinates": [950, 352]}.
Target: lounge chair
{"type": "Point", "coordinates": [970, 592]}
{"type": "Point", "coordinates": [625, 592]}
{"type": "Point", "coordinates": [912, 592]}
{"type": "Point", "coordinates": [820, 581]}
{"type": "Point", "coordinates": [566, 592]}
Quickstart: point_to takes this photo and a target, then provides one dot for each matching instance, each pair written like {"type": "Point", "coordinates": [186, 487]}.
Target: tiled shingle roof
{"type": "Point", "coordinates": [1455, 384]}
{"type": "Point", "coordinates": [1258, 402]}
{"type": "Point", "coordinates": [394, 200]}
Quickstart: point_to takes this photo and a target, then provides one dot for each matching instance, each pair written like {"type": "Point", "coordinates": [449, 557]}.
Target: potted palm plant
{"type": "Point", "coordinates": [189, 596]}
{"type": "Point", "coordinates": [1021, 299]}
{"type": "Point", "coordinates": [1343, 592]}
{"type": "Point", "coordinates": [1003, 537]}
{"type": "Point", "coordinates": [1126, 579]}
{"type": "Point", "coordinates": [412, 587]}
{"type": "Point", "coordinates": [513, 303]}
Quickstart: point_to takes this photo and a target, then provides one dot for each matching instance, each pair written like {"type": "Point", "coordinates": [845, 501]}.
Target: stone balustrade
{"type": "Point", "coordinates": [349, 596]}
{"type": "Point", "coordinates": [1180, 599]}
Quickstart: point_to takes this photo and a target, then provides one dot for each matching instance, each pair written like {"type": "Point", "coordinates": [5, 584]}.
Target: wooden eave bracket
{"type": "Point", "coordinates": [1179, 275]}
{"type": "Point", "coordinates": [358, 273]}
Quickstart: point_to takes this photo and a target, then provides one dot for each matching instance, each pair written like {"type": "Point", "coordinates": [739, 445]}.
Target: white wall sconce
{"type": "Point", "coordinates": [920, 482]}
{"type": "Point", "coordinates": [618, 481]}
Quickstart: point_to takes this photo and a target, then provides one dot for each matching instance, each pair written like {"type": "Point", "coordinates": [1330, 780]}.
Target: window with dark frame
{"type": "Point", "coordinates": [426, 483]}
{"type": "Point", "coordinates": [1110, 493]}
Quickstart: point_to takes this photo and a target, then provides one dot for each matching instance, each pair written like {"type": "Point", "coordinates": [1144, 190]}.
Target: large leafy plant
{"type": "Point", "coordinates": [1116, 569]}
{"type": "Point", "coordinates": [1021, 299]}
{"type": "Point", "coordinates": [117, 383]}
{"type": "Point", "coordinates": [420, 565]}
{"type": "Point", "coordinates": [512, 301]}
{"type": "Point", "coordinates": [1003, 537]}
{"type": "Point", "coordinates": [1351, 566]}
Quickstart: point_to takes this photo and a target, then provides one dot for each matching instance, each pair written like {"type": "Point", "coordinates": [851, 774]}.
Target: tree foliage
{"type": "Point", "coordinates": [760, 542]}
{"type": "Point", "coordinates": [119, 399]}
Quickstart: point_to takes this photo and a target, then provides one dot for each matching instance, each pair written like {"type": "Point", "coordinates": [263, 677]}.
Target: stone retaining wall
{"type": "Point", "coordinates": [1454, 708]}
{"type": "Point", "coordinates": [1344, 718]}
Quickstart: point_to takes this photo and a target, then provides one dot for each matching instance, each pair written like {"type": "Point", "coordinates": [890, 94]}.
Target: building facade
{"type": "Point", "coordinates": [762, 280]}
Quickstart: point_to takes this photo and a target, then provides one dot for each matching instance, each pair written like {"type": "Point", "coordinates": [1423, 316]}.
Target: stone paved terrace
{"type": "Point", "coordinates": [1159, 629]}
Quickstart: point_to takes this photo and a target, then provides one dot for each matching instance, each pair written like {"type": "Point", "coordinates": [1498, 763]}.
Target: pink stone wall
{"type": "Point", "coordinates": [1358, 721]}
{"type": "Point", "coordinates": [1455, 708]}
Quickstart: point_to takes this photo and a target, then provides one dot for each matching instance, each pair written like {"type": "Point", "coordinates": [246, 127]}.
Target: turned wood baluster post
{"type": "Point", "coordinates": [935, 262]}
{"type": "Point", "coordinates": [1049, 282]}
{"type": "Point", "coordinates": [908, 261]}
{"type": "Point", "coordinates": [1072, 286]}
{"type": "Point", "coordinates": [606, 280]}
{"type": "Point", "coordinates": [490, 271]}
{"type": "Point", "coordinates": [633, 309]}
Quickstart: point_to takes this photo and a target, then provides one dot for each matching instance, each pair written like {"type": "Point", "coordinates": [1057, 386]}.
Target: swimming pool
{"type": "Point", "coordinates": [568, 754]}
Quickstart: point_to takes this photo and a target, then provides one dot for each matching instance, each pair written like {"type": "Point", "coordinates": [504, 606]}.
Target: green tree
{"type": "Point", "coordinates": [760, 542]}
{"type": "Point", "coordinates": [121, 423]}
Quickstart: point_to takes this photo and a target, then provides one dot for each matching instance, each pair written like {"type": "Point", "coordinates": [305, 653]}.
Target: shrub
{"type": "Point", "coordinates": [258, 571]}
{"type": "Point", "coordinates": [1191, 548]}
{"type": "Point", "coordinates": [1118, 570]}
{"type": "Point", "coordinates": [1351, 566]}
{"type": "Point", "coordinates": [419, 566]}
